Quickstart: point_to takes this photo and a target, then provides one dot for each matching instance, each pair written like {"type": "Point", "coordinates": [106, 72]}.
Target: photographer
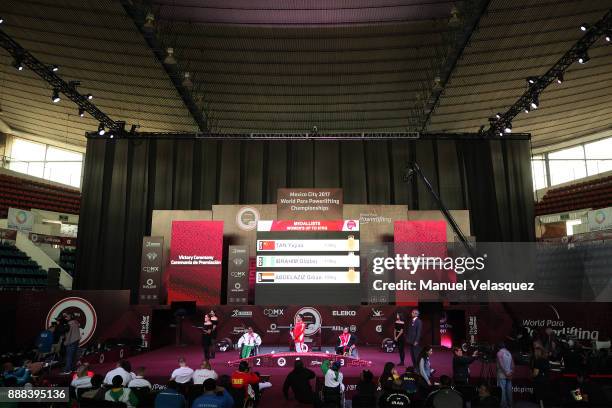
{"type": "Point", "coordinates": [461, 366]}
{"type": "Point", "coordinates": [213, 396]}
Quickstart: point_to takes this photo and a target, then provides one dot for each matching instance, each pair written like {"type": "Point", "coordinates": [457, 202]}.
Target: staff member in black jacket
{"type": "Point", "coordinates": [461, 366]}
{"type": "Point", "coordinates": [414, 336]}
{"type": "Point", "coordinates": [299, 382]}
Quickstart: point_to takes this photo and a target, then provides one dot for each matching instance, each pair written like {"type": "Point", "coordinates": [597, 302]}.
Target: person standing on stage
{"type": "Point", "coordinates": [298, 334]}
{"type": "Point", "coordinates": [215, 321]}
{"type": "Point", "coordinates": [207, 329]}
{"type": "Point", "coordinates": [505, 370]}
{"type": "Point", "coordinates": [414, 336]}
{"type": "Point", "coordinates": [248, 342]}
{"type": "Point", "coordinates": [399, 336]}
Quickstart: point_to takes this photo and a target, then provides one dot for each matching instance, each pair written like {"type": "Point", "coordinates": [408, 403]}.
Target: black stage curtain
{"type": "Point", "coordinates": [126, 179]}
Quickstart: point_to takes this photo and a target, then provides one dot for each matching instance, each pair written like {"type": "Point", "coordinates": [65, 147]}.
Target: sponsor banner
{"type": "Point", "coordinates": [370, 252]}
{"type": "Point", "coordinates": [7, 234]}
{"type": "Point", "coordinates": [375, 221]}
{"type": "Point", "coordinates": [238, 275]}
{"type": "Point", "coordinates": [309, 203]}
{"type": "Point", "coordinates": [600, 219]}
{"type": "Point", "coordinates": [151, 265]}
{"type": "Point", "coordinates": [52, 240]}
{"type": "Point", "coordinates": [194, 270]}
{"type": "Point", "coordinates": [308, 225]}
{"type": "Point", "coordinates": [308, 261]}
{"type": "Point", "coordinates": [20, 220]}
{"type": "Point", "coordinates": [350, 276]}
{"type": "Point", "coordinates": [296, 245]}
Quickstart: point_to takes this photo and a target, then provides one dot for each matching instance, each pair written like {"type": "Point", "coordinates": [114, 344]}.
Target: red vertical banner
{"type": "Point", "coordinates": [417, 238]}
{"type": "Point", "coordinates": [194, 269]}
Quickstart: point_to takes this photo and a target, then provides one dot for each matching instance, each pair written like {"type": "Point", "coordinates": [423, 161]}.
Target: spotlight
{"type": "Point", "coordinates": [101, 130]}
{"type": "Point", "coordinates": [608, 35]}
{"type": "Point", "coordinates": [55, 97]}
{"type": "Point", "coordinates": [535, 102]}
{"type": "Point", "coordinates": [560, 78]}
{"type": "Point", "coordinates": [187, 80]}
{"type": "Point", "coordinates": [527, 109]}
{"type": "Point", "coordinates": [1, 20]}
{"type": "Point", "coordinates": [89, 97]}
{"type": "Point", "coordinates": [584, 27]}
{"type": "Point", "coordinates": [112, 136]}
{"type": "Point", "coordinates": [500, 133]}
{"type": "Point", "coordinates": [149, 23]}
{"type": "Point", "coordinates": [508, 128]}
{"type": "Point", "coordinates": [584, 58]}
{"type": "Point", "coordinates": [18, 64]}
{"type": "Point", "coordinates": [82, 112]}
{"type": "Point", "coordinates": [532, 80]}
{"type": "Point", "coordinates": [498, 115]}
{"type": "Point", "coordinates": [54, 68]}
{"type": "Point", "coordinates": [169, 60]}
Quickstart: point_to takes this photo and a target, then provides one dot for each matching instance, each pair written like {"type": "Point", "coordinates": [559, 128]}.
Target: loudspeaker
{"type": "Point", "coordinates": [53, 277]}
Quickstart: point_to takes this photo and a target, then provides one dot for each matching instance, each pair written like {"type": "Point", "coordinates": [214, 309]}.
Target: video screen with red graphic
{"type": "Point", "coordinates": [314, 261]}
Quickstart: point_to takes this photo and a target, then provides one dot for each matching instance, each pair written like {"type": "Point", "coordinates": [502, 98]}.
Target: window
{"type": "Point", "coordinates": [538, 169]}
{"type": "Point", "coordinates": [44, 161]}
{"type": "Point", "coordinates": [566, 165]}
{"type": "Point", "coordinates": [599, 156]}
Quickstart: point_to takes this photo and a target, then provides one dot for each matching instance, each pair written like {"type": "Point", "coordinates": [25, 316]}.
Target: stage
{"type": "Point", "coordinates": [160, 363]}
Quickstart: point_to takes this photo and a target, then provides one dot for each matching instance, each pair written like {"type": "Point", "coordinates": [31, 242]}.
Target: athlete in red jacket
{"type": "Point", "coordinates": [298, 334]}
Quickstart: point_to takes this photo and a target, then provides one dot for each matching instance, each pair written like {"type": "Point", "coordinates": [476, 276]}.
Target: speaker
{"type": "Point", "coordinates": [53, 276]}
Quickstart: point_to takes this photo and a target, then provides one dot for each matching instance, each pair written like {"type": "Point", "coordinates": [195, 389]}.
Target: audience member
{"type": "Point", "coordinates": [390, 380]}
{"type": "Point", "coordinates": [71, 342]}
{"type": "Point", "coordinates": [539, 373]}
{"type": "Point", "coordinates": [445, 396]}
{"type": "Point", "coordinates": [82, 379]}
{"type": "Point", "coordinates": [204, 373]}
{"type": "Point", "coordinates": [170, 397]}
{"type": "Point", "coordinates": [424, 365]}
{"type": "Point", "coordinates": [410, 381]}
{"type": "Point", "coordinates": [505, 370]}
{"type": "Point", "coordinates": [22, 375]}
{"type": "Point", "coordinates": [213, 396]}
{"type": "Point", "coordinates": [485, 399]}
{"type": "Point", "coordinates": [122, 369]}
{"type": "Point", "coordinates": [365, 396]}
{"type": "Point", "coordinates": [461, 366]}
{"type": "Point", "coordinates": [44, 342]}
{"type": "Point", "coordinates": [97, 391]}
{"type": "Point", "coordinates": [333, 387]}
{"type": "Point", "coordinates": [119, 394]}
{"type": "Point", "coordinates": [243, 380]}
{"type": "Point", "coordinates": [298, 380]}
{"type": "Point", "coordinates": [139, 381]}
{"type": "Point", "coordinates": [183, 374]}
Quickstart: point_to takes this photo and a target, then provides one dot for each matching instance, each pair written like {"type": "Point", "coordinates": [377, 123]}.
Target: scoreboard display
{"type": "Point", "coordinates": [315, 262]}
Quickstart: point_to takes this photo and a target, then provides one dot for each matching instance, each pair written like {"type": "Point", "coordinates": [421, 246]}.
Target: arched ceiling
{"type": "Point", "coordinates": [286, 66]}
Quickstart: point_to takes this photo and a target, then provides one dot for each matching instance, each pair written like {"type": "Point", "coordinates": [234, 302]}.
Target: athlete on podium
{"type": "Point", "coordinates": [297, 334]}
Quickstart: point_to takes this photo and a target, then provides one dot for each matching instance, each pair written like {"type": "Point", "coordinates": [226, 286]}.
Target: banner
{"type": "Point", "coordinates": [9, 235]}
{"type": "Point", "coordinates": [600, 219]}
{"type": "Point", "coordinates": [52, 240]}
{"type": "Point", "coordinates": [309, 203]}
{"type": "Point", "coordinates": [194, 270]}
{"type": "Point", "coordinates": [238, 275]}
{"type": "Point", "coordinates": [151, 270]}
{"type": "Point", "coordinates": [20, 220]}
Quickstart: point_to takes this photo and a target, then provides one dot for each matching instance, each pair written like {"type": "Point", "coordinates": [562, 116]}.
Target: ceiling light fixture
{"type": "Point", "coordinates": [508, 128]}
{"type": "Point", "coordinates": [55, 97]}
{"type": "Point", "coordinates": [169, 60]}
{"type": "Point", "coordinates": [187, 80]}
{"type": "Point", "coordinates": [82, 112]}
{"type": "Point", "coordinates": [101, 130]}
{"type": "Point", "coordinates": [89, 97]}
{"type": "Point", "coordinates": [584, 58]}
{"type": "Point", "coordinates": [584, 27]}
{"type": "Point", "coordinates": [560, 78]}
{"type": "Point", "coordinates": [535, 102]}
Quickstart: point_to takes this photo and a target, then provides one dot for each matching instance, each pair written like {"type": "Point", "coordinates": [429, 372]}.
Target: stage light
{"type": "Point", "coordinates": [89, 97]}
{"type": "Point", "coordinates": [18, 64]}
{"type": "Point", "coordinates": [101, 130]}
{"type": "Point", "coordinates": [532, 80]}
{"type": "Point", "coordinates": [169, 60]}
{"type": "Point", "coordinates": [560, 78]}
{"type": "Point", "coordinates": [535, 102]}
{"type": "Point", "coordinates": [498, 115]}
{"type": "Point", "coordinates": [149, 23]}
{"type": "Point", "coordinates": [584, 58]}
{"type": "Point", "coordinates": [527, 109]}
{"type": "Point", "coordinates": [54, 68]}
{"type": "Point", "coordinates": [500, 133]}
{"type": "Point", "coordinates": [1, 20]}
{"type": "Point", "coordinates": [55, 97]}
{"type": "Point", "coordinates": [82, 112]}
{"type": "Point", "coordinates": [112, 136]}
{"type": "Point", "coordinates": [187, 80]}
{"type": "Point", "coordinates": [584, 27]}
{"type": "Point", "coordinates": [608, 35]}
{"type": "Point", "coordinates": [508, 128]}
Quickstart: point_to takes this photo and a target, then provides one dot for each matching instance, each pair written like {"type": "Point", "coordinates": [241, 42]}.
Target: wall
{"type": "Point", "coordinates": [125, 180]}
